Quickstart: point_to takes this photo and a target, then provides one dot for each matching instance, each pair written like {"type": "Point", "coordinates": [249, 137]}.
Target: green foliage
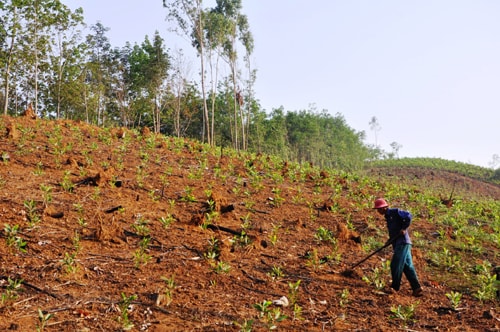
{"type": "Point", "coordinates": [167, 221]}
{"type": "Point", "coordinates": [47, 193]}
{"type": "Point", "coordinates": [488, 286]}
{"type": "Point", "coordinates": [221, 267]}
{"type": "Point", "coordinates": [242, 240]}
{"type": "Point", "coordinates": [276, 273]}
{"type": "Point", "coordinates": [124, 306]}
{"type": "Point", "coordinates": [11, 290]}
{"type": "Point", "coordinates": [325, 235]}
{"type": "Point", "coordinates": [270, 316]}
{"type": "Point", "coordinates": [245, 326]}
{"type": "Point", "coordinates": [141, 256]}
{"type": "Point", "coordinates": [69, 262]}
{"type": "Point", "coordinates": [455, 299]}
{"type": "Point", "coordinates": [169, 289]}
{"type": "Point", "coordinates": [294, 288]}
{"type": "Point", "coordinates": [66, 182]}
{"type": "Point", "coordinates": [188, 195]}
{"type": "Point", "coordinates": [141, 226]}
{"type": "Point", "coordinates": [376, 277]}
{"type": "Point", "coordinates": [32, 212]}
{"type": "Point", "coordinates": [12, 239]}
{"type": "Point", "coordinates": [43, 319]}
{"type": "Point", "coordinates": [344, 297]}
{"type": "Point", "coordinates": [313, 260]}
{"type": "Point", "coordinates": [273, 236]}
{"type": "Point", "coordinates": [406, 314]}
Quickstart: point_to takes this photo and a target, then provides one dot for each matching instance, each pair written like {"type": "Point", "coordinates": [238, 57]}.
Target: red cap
{"type": "Point", "coordinates": [380, 203]}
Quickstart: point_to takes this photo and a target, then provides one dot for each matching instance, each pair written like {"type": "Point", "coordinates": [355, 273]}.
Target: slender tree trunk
{"type": "Point", "coordinates": [203, 89]}
{"type": "Point", "coordinates": [156, 116]}
{"type": "Point", "coordinates": [235, 105]}
{"type": "Point", "coordinates": [60, 68]}
{"type": "Point", "coordinates": [204, 96]}
{"type": "Point", "coordinates": [36, 60]}
{"type": "Point", "coordinates": [8, 66]}
{"type": "Point", "coordinates": [59, 88]}
{"type": "Point", "coordinates": [177, 118]}
{"type": "Point", "coordinates": [7, 83]}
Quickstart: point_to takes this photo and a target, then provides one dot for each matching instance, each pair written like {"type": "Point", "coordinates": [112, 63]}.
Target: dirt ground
{"type": "Point", "coordinates": [99, 201]}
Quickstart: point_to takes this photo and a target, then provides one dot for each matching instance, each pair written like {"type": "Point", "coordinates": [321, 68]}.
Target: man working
{"type": "Point", "coordinates": [398, 222]}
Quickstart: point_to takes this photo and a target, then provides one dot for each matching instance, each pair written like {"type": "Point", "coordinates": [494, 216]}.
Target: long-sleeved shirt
{"type": "Point", "coordinates": [396, 221]}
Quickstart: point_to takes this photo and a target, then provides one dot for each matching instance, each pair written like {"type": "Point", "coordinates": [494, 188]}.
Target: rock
{"type": "Point", "coordinates": [282, 302]}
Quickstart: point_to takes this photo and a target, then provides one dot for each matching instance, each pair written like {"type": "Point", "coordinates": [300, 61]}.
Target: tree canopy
{"type": "Point", "coordinates": [47, 61]}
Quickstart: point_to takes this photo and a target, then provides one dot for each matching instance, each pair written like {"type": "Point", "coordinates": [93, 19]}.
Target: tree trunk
{"type": "Point", "coordinates": [7, 72]}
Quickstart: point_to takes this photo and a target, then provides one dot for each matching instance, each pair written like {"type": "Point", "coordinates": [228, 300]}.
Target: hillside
{"type": "Point", "coordinates": [445, 183]}
{"type": "Point", "coordinates": [112, 229]}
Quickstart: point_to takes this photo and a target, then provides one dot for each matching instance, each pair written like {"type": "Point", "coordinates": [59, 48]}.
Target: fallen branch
{"type": "Point", "coordinates": [257, 280]}
{"type": "Point", "coordinates": [29, 285]}
{"type": "Point", "coordinates": [224, 229]}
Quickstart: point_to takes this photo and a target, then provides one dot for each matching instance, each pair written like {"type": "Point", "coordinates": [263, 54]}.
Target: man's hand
{"type": "Point", "coordinates": [402, 232]}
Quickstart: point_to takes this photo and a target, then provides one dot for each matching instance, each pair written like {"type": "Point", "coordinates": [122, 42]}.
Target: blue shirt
{"type": "Point", "coordinates": [396, 221]}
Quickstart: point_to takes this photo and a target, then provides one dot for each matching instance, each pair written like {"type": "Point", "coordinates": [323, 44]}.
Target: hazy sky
{"type": "Point", "coordinates": [428, 70]}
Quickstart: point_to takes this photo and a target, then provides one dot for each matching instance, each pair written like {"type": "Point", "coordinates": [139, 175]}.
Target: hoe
{"type": "Point", "coordinates": [350, 271]}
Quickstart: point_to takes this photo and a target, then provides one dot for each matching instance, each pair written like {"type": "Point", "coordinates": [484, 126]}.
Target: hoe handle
{"type": "Point", "coordinates": [388, 243]}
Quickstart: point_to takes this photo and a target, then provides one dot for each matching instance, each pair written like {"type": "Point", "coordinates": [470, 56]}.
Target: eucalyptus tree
{"type": "Point", "coordinates": [214, 34]}
{"type": "Point", "coordinates": [191, 120]}
{"type": "Point", "coordinates": [180, 89]}
{"type": "Point", "coordinates": [343, 146]}
{"type": "Point", "coordinates": [276, 134]}
{"type": "Point", "coordinates": [11, 28]}
{"type": "Point", "coordinates": [97, 74]}
{"type": "Point", "coordinates": [375, 126]}
{"type": "Point", "coordinates": [149, 65]}
{"type": "Point", "coordinates": [27, 36]}
{"type": "Point", "coordinates": [304, 136]}
{"type": "Point", "coordinates": [310, 136]}
{"type": "Point", "coordinates": [223, 119]}
{"type": "Point", "coordinates": [65, 61]}
{"type": "Point", "coordinates": [190, 18]}
{"type": "Point", "coordinates": [124, 114]}
{"type": "Point", "coordinates": [257, 127]}
{"type": "Point", "coordinates": [251, 105]}
{"type": "Point", "coordinates": [40, 19]}
{"type": "Point", "coordinates": [234, 28]}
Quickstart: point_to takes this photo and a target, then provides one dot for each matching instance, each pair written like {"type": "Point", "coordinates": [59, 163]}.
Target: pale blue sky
{"type": "Point", "coordinates": [428, 70]}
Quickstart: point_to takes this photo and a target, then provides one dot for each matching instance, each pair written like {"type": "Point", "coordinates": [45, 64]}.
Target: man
{"type": "Point", "coordinates": [398, 222]}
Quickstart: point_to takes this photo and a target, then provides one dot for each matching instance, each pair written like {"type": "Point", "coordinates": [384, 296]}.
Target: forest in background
{"type": "Point", "coordinates": [48, 64]}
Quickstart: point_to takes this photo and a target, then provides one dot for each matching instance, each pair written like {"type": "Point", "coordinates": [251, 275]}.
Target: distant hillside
{"type": "Point", "coordinates": [469, 170]}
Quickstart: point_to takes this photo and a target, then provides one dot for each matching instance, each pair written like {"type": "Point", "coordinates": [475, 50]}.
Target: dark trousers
{"type": "Point", "coordinates": [402, 263]}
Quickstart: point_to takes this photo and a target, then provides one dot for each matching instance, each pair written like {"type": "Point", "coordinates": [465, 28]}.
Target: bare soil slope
{"type": "Point", "coordinates": [122, 213]}
{"type": "Point", "coordinates": [447, 183]}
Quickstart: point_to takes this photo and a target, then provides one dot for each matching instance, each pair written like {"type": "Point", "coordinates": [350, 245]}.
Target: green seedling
{"type": "Point", "coordinates": [141, 257]}
{"type": "Point", "coordinates": [455, 299]}
{"type": "Point", "coordinates": [42, 320]}
{"type": "Point", "coordinates": [276, 273]}
{"type": "Point", "coordinates": [167, 221]}
{"type": "Point", "coordinates": [11, 290]}
{"type": "Point", "coordinates": [13, 240]}
{"type": "Point", "coordinates": [124, 306]}
{"type": "Point", "coordinates": [31, 212]}
{"type": "Point", "coordinates": [344, 297]}
{"type": "Point", "coordinates": [406, 314]}
{"type": "Point", "coordinates": [169, 289]}
{"type": "Point", "coordinates": [270, 316]}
